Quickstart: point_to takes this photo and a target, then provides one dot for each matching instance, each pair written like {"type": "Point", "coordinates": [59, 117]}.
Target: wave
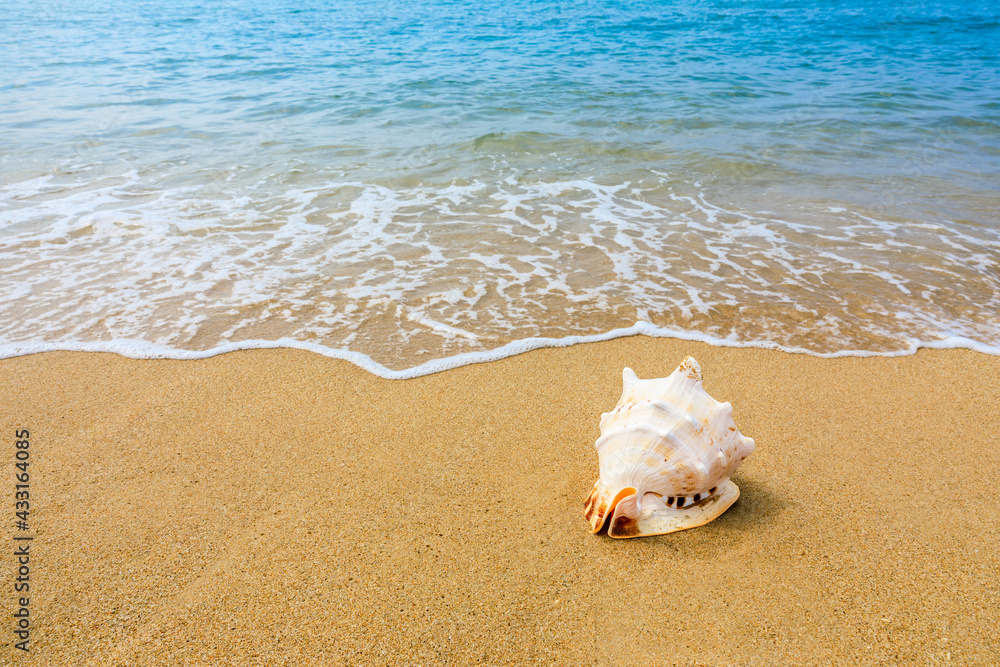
{"type": "Point", "coordinates": [402, 274]}
{"type": "Point", "coordinates": [134, 349]}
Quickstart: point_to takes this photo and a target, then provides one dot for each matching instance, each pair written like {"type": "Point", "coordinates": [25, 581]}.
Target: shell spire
{"type": "Point", "coordinates": [666, 451]}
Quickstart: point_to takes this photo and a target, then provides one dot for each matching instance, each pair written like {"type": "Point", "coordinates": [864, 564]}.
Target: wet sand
{"type": "Point", "coordinates": [281, 508]}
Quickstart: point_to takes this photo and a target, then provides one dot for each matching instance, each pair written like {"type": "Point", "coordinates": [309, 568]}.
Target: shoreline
{"type": "Point", "coordinates": [142, 350]}
{"type": "Point", "coordinates": [282, 507]}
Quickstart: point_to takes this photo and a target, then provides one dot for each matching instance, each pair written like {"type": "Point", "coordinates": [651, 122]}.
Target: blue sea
{"type": "Point", "coordinates": [418, 185]}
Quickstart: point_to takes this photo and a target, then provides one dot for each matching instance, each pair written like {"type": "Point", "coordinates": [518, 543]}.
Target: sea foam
{"type": "Point", "coordinates": [142, 350]}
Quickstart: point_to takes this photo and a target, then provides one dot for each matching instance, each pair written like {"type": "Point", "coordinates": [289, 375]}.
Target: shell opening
{"type": "Point", "coordinates": [612, 506]}
{"type": "Point", "coordinates": [622, 495]}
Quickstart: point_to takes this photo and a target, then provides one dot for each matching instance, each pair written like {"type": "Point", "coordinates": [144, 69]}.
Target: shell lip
{"type": "Point", "coordinates": [656, 518]}
{"type": "Point", "coordinates": [624, 514]}
{"type": "Point", "coordinates": [602, 503]}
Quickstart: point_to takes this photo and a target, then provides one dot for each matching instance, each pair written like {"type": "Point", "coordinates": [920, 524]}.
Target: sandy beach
{"type": "Point", "coordinates": [282, 508]}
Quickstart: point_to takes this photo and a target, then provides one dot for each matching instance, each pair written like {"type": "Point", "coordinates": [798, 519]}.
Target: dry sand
{"type": "Point", "coordinates": [281, 508]}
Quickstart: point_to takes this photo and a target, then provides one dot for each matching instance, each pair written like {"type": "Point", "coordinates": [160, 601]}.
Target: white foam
{"type": "Point", "coordinates": [118, 259]}
{"type": "Point", "coordinates": [137, 349]}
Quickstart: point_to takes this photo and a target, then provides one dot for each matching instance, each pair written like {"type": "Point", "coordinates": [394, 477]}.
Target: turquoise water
{"type": "Point", "coordinates": [411, 182]}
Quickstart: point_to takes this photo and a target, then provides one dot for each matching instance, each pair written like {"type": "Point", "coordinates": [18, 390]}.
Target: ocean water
{"type": "Point", "coordinates": [417, 185]}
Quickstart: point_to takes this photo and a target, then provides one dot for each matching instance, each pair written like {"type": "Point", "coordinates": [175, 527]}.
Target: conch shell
{"type": "Point", "coordinates": [666, 452]}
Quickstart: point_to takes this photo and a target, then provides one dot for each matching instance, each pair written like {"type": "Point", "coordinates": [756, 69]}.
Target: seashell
{"type": "Point", "coordinates": [666, 451]}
